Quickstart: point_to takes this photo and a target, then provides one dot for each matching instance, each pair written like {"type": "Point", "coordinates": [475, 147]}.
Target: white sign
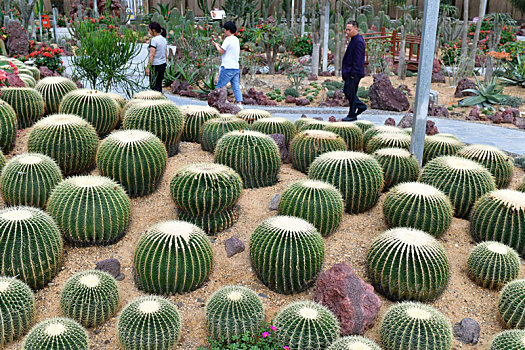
{"type": "Point", "coordinates": [217, 14]}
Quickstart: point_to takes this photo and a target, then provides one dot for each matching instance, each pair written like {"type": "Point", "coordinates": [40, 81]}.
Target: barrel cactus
{"type": "Point", "coordinates": [499, 216]}
{"type": "Point", "coordinates": [349, 132]}
{"type": "Point", "coordinates": [233, 311]}
{"type": "Point", "coordinates": [415, 326]}
{"type": "Point", "coordinates": [71, 141]}
{"type": "Point", "coordinates": [297, 240]}
{"type": "Point", "coordinates": [314, 124]}
{"type": "Point", "coordinates": [306, 325]}
{"type": "Point", "coordinates": [90, 210]}
{"type": "Point", "coordinates": [299, 123]}
{"type": "Point", "coordinates": [399, 165]}
{"type": "Point", "coordinates": [358, 177]}
{"type": "Point", "coordinates": [53, 89]}
{"type": "Point", "coordinates": [149, 322]}
{"type": "Point", "coordinates": [408, 264]}
{"type": "Point", "coordinates": [57, 333]}
{"type": "Point", "coordinates": [17, 309]}
{"type": "Point", "coordinates": [395, 140]}
{"type": "Point", "coordinates": [498, 163]}
{"type": "Point", "coordinates": [35, 71]}
{"type": "Point", "coordinates": [464, 181]}
{"type": "Point", "coordinates": [251, 115]}
{"type": "Point", "coordinates": [27, 104]}
{"type": "Point", "coordinates": [185, 263]}
{"type": "Point", "coordinates": [212, 223]}
{"type": "Point", "coordinates": [160, 117]}
{"type": "Point", "coordinates": [354, 342]}
{"type": "Point", "coordinates": [309, 144]}
{"type": "Point", "coordinates": [381, 129]}
{"type": "Point", "coordinates": [2, 160]}
{"type": "Point", "coordinates": [275, 125]}
{"type": "Point", "coordinates": [214, 129]}
{"type": "Point", "coordinates": [134, 158]}
{"type": "Point", "coordinates": [492, 264]}
{"type": "Point", "coordinates": [317, 202]}
{"type": "Point", "coordinates": [364, 125]}
{"type": "Point", "coordinates": [253, 155]}
{"type": "Point", "coordinates": [437, 145]}
{"type": "Point", "coordinates": [194, 118]}
{"type": "Point", "coordinates": [149, 95]}
{"type": "Point", "coordinates": [121, 100]}
{"type": "Point", "coordinates": [521, 188]}
{"type": "Point", "coordinates": [513, 339]}
{"type": "Point", "coordinates": [510, 304]}
{"type": "Point", "coordinates": [28, 80]}
{"type": "Point", "coordinates": [28, 179]}
{"type": "Point", "coordinates": [8, 127]}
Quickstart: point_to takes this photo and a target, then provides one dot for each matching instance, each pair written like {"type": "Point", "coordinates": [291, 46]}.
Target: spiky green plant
{"type": "Point", "coordinates": [499, 216]}
{"type": "Point", "coordinates": [317, 202]}
{"type": "Point", "coordinates": [251, 115]}
{"type": "Point", "coordinates": [492, 264]}
{"type": "Point", "coordinates": [214, 129]}
{"type": "Point", "coordinates": [90, 210]}
{"type": "Point", "coordinates": [28, 80]}
{"type": "Point", "coordinates": [415, 326]}
{"type": "Point", "coordinates": [70, 140]}
{"type": "Point", "coordinates": [513, 339]}
{"type": "Point", "coordinates": [149, 95]}
{"type": "Point", "coordinates": [233, 311]}
{"type": "Point", "coordinates": [418, 205]}
{"type": "Point", "coordinates": [212, 223]}
{"type": "Point", "coordinates": [148, 323]}
{"type": "Point", "coordinates": [8, 127]}
{"type": "Point", "coordinates": [437, 146]}
{"type": "Point", "coordinates": [314, 124]}
{"type": "Point", "coordinates": [364, 125]}
{"type": "Point", "coordinates": [309, 144]}
{"type": "Point", "coordinates": [276, 247]}
{"type": "Point", "coordinates": [28, 179]}
{"type": "Point", "coordinates": [35, 71]}
{"type": "Point", "coordinates": [354, 342]}
{"type": "Point", "coordinates": [57, 333]}
{"type": "Point", "coordinates": [351, 134]}
{"type": "Point", "coordinates": [275, 125]}
{"type": "Point", "coordinates": [306, 325]}
{"type": "Point", "coordinates": [408, 264]}
{"type": "Point", "coordinates": [299, 123]}
{"type": "Point", "coordinates": [26, 102]}
{"type": "Point", "coordinates": [194, 118]}
{"type": "Point", "coordinates": [17, 309]}
{"type": "Point", "coordinates": [358, 177]}
{"type": "Point", "coordinates": [2, 160]}
{"type": "Point", "coordinates": [380, 129]}
{"type": "Point", "coordinates": [510, 304]}
{"type": "Point", "coordinates": [399, 165]}
{"type": "Point", "coordinates": [185, 263]}
{"type": "Point", "coordinates": [121, 100]}
{"type": "Point", "coordinates": [253, 155]}
{"type": "Point", "coordinates": [386, 140]}
{"type": "Point", "coordinates": [498, 163]}
{"type": "Point", "coordinates": [134, 158]}
{"type": "Point", "coordinates": [53, 89]}
{"type": "Point", "coordinates": [464, 181]}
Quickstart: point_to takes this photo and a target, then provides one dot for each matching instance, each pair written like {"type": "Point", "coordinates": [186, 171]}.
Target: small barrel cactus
{"type": "Point", "coordinates": [395, 140]}
{"type": "Point", "coordinates": [212, 223]}
{"type": "Point", "coordinates": [317, 202]}
{"type": "Point", "coordinates": [309, 144]}
{"type": "Point", "coordinates": [233, 311]}
{"type": "Point", "coordinates": [194, 118]}
{"type": "Point", "coordinates": [8, 127]}
{"type": "Point", "coordinates": [464, 181]}
{"type": "Point", "coordinates": [381, 129]}
{"type": "Point", "coordinates": [420, 206]}
{"type": "Point", "coordinates": [185, 263]}
{"type": "Point", "coordinates": [299, 123]}
{"type": "Point", "coordinates": [498, 163]}
{"type": "Point", "coordinates": [351, 134]}
{"type": "Point", "coordinates": [17, 309]}
{"type": "Point", "coordinates": [27, 104]}
{"type": "Point", "coordinates": [354, 342]}
{"type": "Point", "coordinates": [253, 155]}
{"type": "Point", "coordinates": [149, 322]}
{"type": "Point", "coordinates": [314, 124]}
{"type": "Point", "coordinates": [510, 304]}
{"type": "Point", "coordinates": [437, 146]}
{"type": "Point", "coordinates": [513, 339]}
{"type": "Point", "coordinates": [521, 188]}
{"type": "Point", "coordinates": [408, 264]}
{"type": "Point", "coordinates": [306, 325]}
{"type": "Point", "coordinates": [358, 177]}
{"type": "Point", "coordinates": [32, 245]}
{"type": "Point", "coordinates": [53, 89]}
{"type": "Point", "coordinates": [57, 333]}
{"type": "Point", "coordinates": [364, 125]}
{"type": "Point", "coordinates": [415, 326]}
{"type": "Point", "coordinates": [134, 158]}
{"type": "Point", "coordinates": [500, 216]}
{"type": "Point", "coordinates": [492, 264]}
{"type": "Point", "coordinates": [275, 125]}
{"type": "Point", "coordinates": [278, 268]}
{"type": "Point", "coordinates": [399, 165]}
{"type": "Point", "coordinates": [90, 210]}
{"type": "Point", "coordinates": [70, 140]}
{"type": "Point", "coordinates": [28, 179]}
{"type": "Point", "coordinates": [214, 129]}
{"type": "Point", "coordinates": [149, 95]}
{"type": "Point", "coordinates": [251, 115]}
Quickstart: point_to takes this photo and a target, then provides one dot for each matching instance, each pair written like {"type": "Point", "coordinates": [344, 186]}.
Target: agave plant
{"type": "Point", "coordinates": [514, 73]}
{"type": "Point", "coordinates": [485, 95]}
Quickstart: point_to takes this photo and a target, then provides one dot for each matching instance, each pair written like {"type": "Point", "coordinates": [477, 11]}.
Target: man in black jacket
{"type": "Point", "coordinates": [353, 69]}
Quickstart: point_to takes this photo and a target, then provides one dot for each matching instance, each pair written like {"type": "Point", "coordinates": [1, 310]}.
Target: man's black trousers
{"type": "Point", "coordinates": [350, 90]}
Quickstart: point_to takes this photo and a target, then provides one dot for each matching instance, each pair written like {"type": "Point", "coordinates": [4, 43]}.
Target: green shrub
{"type": "Point", "coordinates": [17, 309]}
{"type": "Point", "coordinates": [302, 46]}
{"type": "Point", "coordinates": [27, 104]}
{"type": "Point", "coordinates": [381, 129]}
{"type": "Point", "coordinates": [251, 115]}
{"type": "Point", "coordinates": [437, 145]}
{"type": "Point", "coordinates": [53, 89]}
{"type": "Point", "coordinates": [291, 92]}
{"type": "Point", "coordinates": [513, 339]}
{"type": "Point", "coordinates": [275, 125]}
{"type": "Point", "coordinates": [307, 145]}
{"type": "Point", "coordinates": [349, 132]}
{"type": "Point", "coordinates": [214, 129]}
{"type": "Point", "coordinates": [399, 165]}
{"type": "Point", "coordinates": [59, 330]}
{"type": "Point", "coordinates": [194, 118]}
{"type": "Point", "coordinates": [9, 127]}
{"type": "Point", "coordinates": [354, 342]}
{"type": "Point", "coordinates": [510, 304]}
{"type": "Point", "coordinates": [364, 125]}
{"type": "Point", "coordinates": [498, 163]}
{"type": "Point", "coordinates": [395, 140]}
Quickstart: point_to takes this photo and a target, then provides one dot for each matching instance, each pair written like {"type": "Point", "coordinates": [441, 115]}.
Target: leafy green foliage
{"type": "Point", "coordinates": [486, 94]}
{"type": "Point", "coordinates": [514, 73]}
{"type": "Point", "coordinates": [302, 46]}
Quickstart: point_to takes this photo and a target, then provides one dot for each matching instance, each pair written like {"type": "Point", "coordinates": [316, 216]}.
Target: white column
{"type": "Point", "coordinates": [326, 36]}
{"type": "Point", "coordinates": [303, 18]}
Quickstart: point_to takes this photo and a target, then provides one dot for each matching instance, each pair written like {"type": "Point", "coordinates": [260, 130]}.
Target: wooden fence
{"type": "Point", "coordinates": [413, 43]}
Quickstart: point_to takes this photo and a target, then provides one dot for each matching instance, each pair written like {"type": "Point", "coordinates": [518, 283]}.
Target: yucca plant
{"type": "Point", "coordinates": [212, 130]}
{"type": "Point", "coordinates": [53, 89]}
{"type": "Point", "coordinates": [17, 309]}
{"type": "Point", "coordinates": [8, 127]}
{"type": "Point", "coordinates": [399, 165]}
{"type": "Point", "coordinates": [510, 304]}
{"type": "Point", "coordinates": [27, 104]}
{"type": "Point", "coordinates": [513, 339]}
{"type": "Point", "coordinates": [486, 94]}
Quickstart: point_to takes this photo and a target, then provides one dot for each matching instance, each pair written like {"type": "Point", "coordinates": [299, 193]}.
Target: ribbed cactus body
{"type": "Point", "coordinates": [28, 179]}
{"type": "Point", "coordinates": [415, 326]}
{"type": "Point", "coordinates": [17, 309]}
{"type": "Point", "coordinates": [364, 125]}
{"type": "Point", "coordinates": [53, 89]}
{"type": "Point", "coordinates": [194, 118]}
{"type": "Point", "coordinates": [287, 253]}
{"type": "Point", "coordinates": [35, 71]}
{"type": "Point", "coordinates": [28, 80]}
{"type": "Point", "coordinates": [2, 160]}
{"type": "Point", "coordinates": [349, 132]}
{"type": "Point", "coordinates": [27, 104]}
{"type": "Point", "coordinates": [420, 206]}
{"type": "Point", "coordinates": [233, 311]}
{"type": "Point", "coordinates": [314, 124]}
{"type": "Point", "coordinates": [513, 339]}
{"type": "Point", "coordinates": [306, 325]}
{"type": "Point", "coordinates": [358, 177]}
{"type": "Point", "coordinates": [275, 125]}
{"type": "Point", "coordinates": [408, 264]}
{"type": "Point", "coordinates": [462, 180]}
{"type": "Point", "coordinates": [121, 100]}
{"type": "Point", "coordinates": [380, 129]}
{"type": "Point", "coordinates": [253, 155]}
{"type": "Point", "coordinates": [510, 304]}
{"type": "Point", "coordinates": [309, 144]}
{"type": "Point", "coordinates": [149, 323]}
{"type": "Point", "coordinates": [437, 146]}
{"type": "Point", "coordinates": [386, 140]}
{"type": "Point", "coordinates": [90, 210]}
{"type": "Point", "coordinates": [57, 333]}
{"type": "Point", "coordinates": [399, 165]}
{"type": "Point", "coordinates": [212, 223]}
{"type": "Point", "coordinates": [185, 262]}
{"type": "Point", "coordinates": [251, 115]}
{"type": "Point", "coordinates": [521, 188]}
{"type": "Point", "coordinates": [214, 129]}
{"type": "Point", "coordinates": [134, 158]}
{"type": "Point", "coordinates": [71, 141]}
{"type": "Point", "coordinates": [299, 123]}
{"type": "Point", "coordinates": [498, 163]}
{"type": "Point", "coordinates": [8, 127]}
{"type": "Point", "coordinates": [354, 342]}
{"type": "Point", "coordinates": [317, 202]}
{"type": "Point", "coordinates": [149, 95]}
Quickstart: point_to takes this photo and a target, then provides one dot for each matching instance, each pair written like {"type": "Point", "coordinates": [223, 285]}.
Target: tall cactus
{"type": "Point", "coordinates": [27, 104]}
{"type": "Point", "coordinates": [8, 127]}
{"type": "Point", "coordinates": [53, 89]}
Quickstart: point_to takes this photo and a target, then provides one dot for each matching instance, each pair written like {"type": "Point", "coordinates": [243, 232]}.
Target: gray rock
{"type": "Point", "coordinates": [233, 246]}
{"type": "Point", "coordinates": [111, 266]}
{"type": "Point", "coordinates": [18, 42]}
{"type": "Point", "coordinates": [262, 295]}
{"type": "Point", "coordinates": [386, 97]}
{"type": "Point", "coordinates": [120, 277]}
{"type": "Point", "coordinates": [467, 331]}
{"type": "Point", "coordinates": [274, 203]}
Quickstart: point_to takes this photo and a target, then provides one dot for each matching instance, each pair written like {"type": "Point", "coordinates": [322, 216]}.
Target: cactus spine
{"type": "Point", "coordinates": [498, 163]}
{"type": "Point", "coordinates": [437, 146]}
{"type": "Point", "coordinates": [513, 339]}
{"type": "Point", "coordinates": [194, 118]}
{"type": "Point", "coordinates": [309, 144]}
{"type": "Point", "coordinates": [17, 309]}
{"type": "Point", "coordinates": [351, 134]}
{"type": "Point", "coordinates": [8, 127]}
{"type": "Point", "coordinates": [27, 104]}
{"type": "Point", "coordinates": [354, 342]}
{"type": "Point", "coordinates": [399, 165]}
{"type": "Point", "coordinates": [274, 125]}
{"type": "Point", "coordinates": [53, 89]}
{"type": "Point", "coordinates": [214, 129]}
{"type": "Point", "coordinates": [57, 333]}
{"type": "Point", "coordinates": [251, 115]}
{"type": "Point", "coordinates": [510, 304]}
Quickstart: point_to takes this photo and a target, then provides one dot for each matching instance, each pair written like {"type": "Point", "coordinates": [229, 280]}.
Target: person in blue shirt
{"type": "Point", "coordinates": [353, 69]}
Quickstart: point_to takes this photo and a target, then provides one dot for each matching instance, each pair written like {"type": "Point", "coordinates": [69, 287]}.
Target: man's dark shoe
{"type": "Point", "coordinates": [349, 119]}
{"type": "Point", "coordinates": [361, 110]}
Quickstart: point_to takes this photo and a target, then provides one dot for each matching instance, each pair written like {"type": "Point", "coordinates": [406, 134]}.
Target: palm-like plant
{"type": "Point", "coordinates": [486, 94]}
{"type": "Point", "coordinates": [514, 74]}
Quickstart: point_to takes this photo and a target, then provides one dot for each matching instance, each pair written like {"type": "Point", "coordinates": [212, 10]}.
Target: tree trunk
{"type": "Point", "coordinates": [315, 56]}
{"type": "Point", "coordinates": [401, 68]}
{"type": "Point", "coordinates": [474, 47]}
{"type": "Point", "coordinates": [464, 35]}
{"type": "Point", "coordinates": [269, 58]}
{"type": "Point", "coordinates": [337, 37]}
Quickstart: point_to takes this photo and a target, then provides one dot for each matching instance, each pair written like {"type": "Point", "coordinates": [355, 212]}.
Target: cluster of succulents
{"type": "Point", "coordinates": [349, 132]}
{"type": "Point", "coordinates": [8, 126]}
{"type": "Point", "coordinates": [17, 309]}
{"type": "Point", "coordinates": [27, 104]}
{"type": "Point", "coordinates": [498, 163]}
{"type": "Point", "coordinates": [194, 118]}
{"type": "Point", "coordinates": [214, 129]}
{"type": "Point", "coordinates": [57, 333]}
{"type": "Point", "coordinates": [53, 89]}
{"type": "Point", "coordinates": [399, 165]}
{"type": "Point", "coordinates": [274, 125]}
{"type": "Point", "coordinates": [309, 144]}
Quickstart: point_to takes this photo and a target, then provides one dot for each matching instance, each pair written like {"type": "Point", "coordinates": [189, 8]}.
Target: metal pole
{"type": "Point", "coordinates": [292, 14]}
{"type": "Point", "coordinates": [40, 27]}
{"type": "Point", "coordinates": [326, 36]}
{"type": "Point", "coordinates": [32, 22]}
{"type": "Point", "coordinates": [424, 76]}
{"type": "Point", "coordinates": [55, 24]}
{"type": "Point", "coordinates": [303, 18]}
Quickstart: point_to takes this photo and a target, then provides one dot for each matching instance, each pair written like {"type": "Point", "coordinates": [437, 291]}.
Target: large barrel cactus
{"type": "Point", "coordinates": [408, 264]}
{"type": "Point", "coordinates": [277, 246]}
{"type": "Point", "coordinates": [364, 125]}
{"type": "Point", "coordinates": [185, 262]}
{"type": "Point", "coordinates": [71, 141]}
{"type": "Point", "coordinates": [121, 100]}
{"type": "Point", "coordinates": [8, 127]}
{"type": "Point", "coordinates": [513, 339]}
{"type": "Point", "coordinates": [35, 71]}
{"type": "Point", "coordinates": [214, 129]}
{"type": "Point", "coordinates": [27, 103]}
{"type": "Point", "coordinates": [17, 309]}
{"type": "Point", "coordinates": [437, 146]}
{"type": "Point", "coordinates": [90, 209]}
{"type": "Point", "coordinates": [380, 129]}
{"type": "Point", "coordinates": [275, 125]}
{"type": "Point", "coordinates": [309, 144]}
{"type": "Point", "coordinates": [212, 223]}
{"type": "Point", "coordinates": [299, 123]}
{"type": "Point", "coordinates": [28, 80]}
{"type": "Point", "coordinates": [251, 115]}
{"type": "Point", "coordinates": [351, 134]}
{"type": "Point", "coordinates": [386, 140]}
{"type": "Point", "coordinates": [314, 124]}
{"type": "Point", "coordinates": [399, 165]}
{"type": "Point", "coordinates": [2, 160]}
{"type": "Point", "coordinates": [194, 118]}
{"type": "Point", "coordinates": [354, 342]}
{"type": "Point", "coordinates": [57, 333]}
{"type": "Point", "coordinates": [149, 95]}
{"type": "Point", "coordinates": [53, 89]}
{"type": "Point", "coordinates": [358, 177]}
{"type": "Point", "coordinates": [498, 163]}
{"type": "Point", "coordinates": [510, 304]}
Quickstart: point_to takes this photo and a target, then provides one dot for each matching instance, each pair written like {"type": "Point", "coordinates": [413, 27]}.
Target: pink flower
{"type": "Point", "coordinates": [265, 334]}
{"type": "Point", "coordinates": [286, 348]}
{"type": "Point", "coordinates": [273, 328]}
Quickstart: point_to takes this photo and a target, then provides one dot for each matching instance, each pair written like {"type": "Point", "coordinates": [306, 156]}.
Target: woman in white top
{"type": "Point", "coordinates": [157, 56]}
